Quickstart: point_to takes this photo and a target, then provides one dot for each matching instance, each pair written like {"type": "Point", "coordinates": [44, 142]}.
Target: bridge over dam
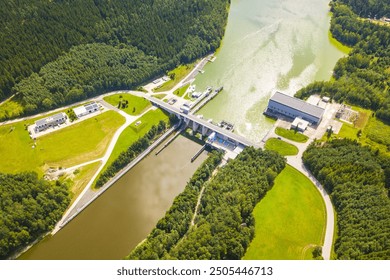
{"type": "Point", "coordinates": [218, 137]}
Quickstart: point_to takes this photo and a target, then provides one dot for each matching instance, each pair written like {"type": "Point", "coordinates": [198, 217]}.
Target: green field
{"type": "Point", "coordinates": [180, 92]}
{"type": "Point", "coordinates": [133, 132]}
{"type": "Point", "coordinates": [291, 134]}
{"type": "Point", "coordinates": [179, 74]}
{"type": "Point", "coordinates": [70, 146]}
{"type": "Point", "coordinates": [81, 179]}
{"type": "Point", "coordinates": [10, 109]}
{"type": "Point", "coordinates": [373, 132]}
{"type": "Point", "coordinates": [159, 96]}
{"type": "Point", "coordinates": [136, 105]}
{"type": "Point", "coordinates": [290, 219]}
{"type": "Point", "coordinates": [283, 148]}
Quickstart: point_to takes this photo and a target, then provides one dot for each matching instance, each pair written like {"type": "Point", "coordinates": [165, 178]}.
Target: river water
{"type": "Point", "coordinates": [125, 214]}
{"type": "Point", "coordinates": [269, 45]}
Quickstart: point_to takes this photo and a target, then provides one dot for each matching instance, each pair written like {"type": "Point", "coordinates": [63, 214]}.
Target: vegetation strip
{"type": "Point", "coordinates": [291, 134]}
{"type": "Point", "coordinates": [132, 152]}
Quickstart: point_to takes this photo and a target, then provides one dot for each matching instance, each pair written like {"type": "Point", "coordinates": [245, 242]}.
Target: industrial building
{"type": "Point", "coordinates": [292, 107]}
{"type": "Point", "coordinates": [86, 109]}
{"type": "Point", "coordinates": [51, 121]}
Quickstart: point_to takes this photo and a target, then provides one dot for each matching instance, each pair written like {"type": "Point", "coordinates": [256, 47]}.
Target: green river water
{"type": "Point", "coordinates": [269, 45]}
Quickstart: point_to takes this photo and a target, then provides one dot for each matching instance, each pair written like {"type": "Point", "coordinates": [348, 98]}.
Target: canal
{"type": "Point", "coordinates": [269, 45]}
{"type": "Point", "coordinates": [125, 214]}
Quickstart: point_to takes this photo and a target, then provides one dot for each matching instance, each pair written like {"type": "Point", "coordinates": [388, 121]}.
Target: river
{"type": "Point", "coordinates": [269, 45]}
{"type": "Point", "coordinates": [125, 214]}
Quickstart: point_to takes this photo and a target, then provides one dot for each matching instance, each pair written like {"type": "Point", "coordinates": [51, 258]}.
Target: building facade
{"type": "Point", "coordinates": [51, 121]}
{"type": "Point", "coordinates": [292, 107]}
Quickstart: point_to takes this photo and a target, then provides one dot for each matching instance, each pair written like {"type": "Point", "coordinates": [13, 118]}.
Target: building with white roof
{"type": "Point", "coordinates": [86, 109]}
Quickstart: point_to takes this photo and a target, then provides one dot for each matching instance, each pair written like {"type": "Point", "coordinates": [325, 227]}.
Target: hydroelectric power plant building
{"type": "Point", "coordinates": [292, 107]}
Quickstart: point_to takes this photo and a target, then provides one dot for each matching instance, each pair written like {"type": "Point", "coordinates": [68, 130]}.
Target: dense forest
{"type": "Point", "coordinates": [369, 8]}
{"type": "Point", "coordinates": [224, 225]}
{"type": "Point", "coordinates": [163, 32]}
{"type": "Point", "coordinates": [362, 78]}
{"type": "Point", "coordinates": [356, 179]}
{"type": "Point", "coordinates": [85, 71]}
{"type": "Point", "coordinates": [29, 207]}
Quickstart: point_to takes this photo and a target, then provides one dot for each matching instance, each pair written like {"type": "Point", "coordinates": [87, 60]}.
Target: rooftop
{"type": "Point", "coordinates": [50, 119]}
{"type": "Point", "coordinates": [297, 104]}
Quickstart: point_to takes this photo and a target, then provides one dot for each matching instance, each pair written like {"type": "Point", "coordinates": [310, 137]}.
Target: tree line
{"type": "Point", "coordinates": [363, 77]}
{"type": "Point", "coordinates": [29, 207]}
{"type": "Point", "coordinates": [224, 226]}
{"type": "Point", "coordinates": [358, 181]}
{"type": "Point", "coordinates": [36, 32]}
{"type": "Point", "coordinates": [131, 153]}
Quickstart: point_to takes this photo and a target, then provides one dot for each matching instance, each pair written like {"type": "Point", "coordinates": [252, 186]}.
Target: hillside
{"type": "Point", "coordinates": [36, 32]}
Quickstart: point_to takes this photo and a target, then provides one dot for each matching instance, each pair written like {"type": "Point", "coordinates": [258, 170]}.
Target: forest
{"type": "Point", "coordinates": [224, 225]}
{"type": "Point", "coordinates": [363, 77]}
{"type": "Point", "coordinates": [164, 33]}
{"type": "Point", "coordinates": [29, 207]}
{"type": "Point", "coordinates": [358, 181]}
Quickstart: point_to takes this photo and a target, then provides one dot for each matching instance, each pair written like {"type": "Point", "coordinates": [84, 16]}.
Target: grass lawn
{"type": "Point", "coordinates": [133, 132]}
{"type": "Point", "coordinates": [159, 96]}
{"type": "Point", "coordinates": [180, 92]}
{"type": "Point", "coordinates": [290, 219]}
{"type": "Point", "coordinates": [283, 148]}
{"type": "Point", "coordinates": [180, 73]}
{"type": "Point", "coordinates": [70, 146]}
{"type": "Point", "coordinates": [291, 134]}
{"type": "Point", "coordinates": [373, 131]}
{"type": "Point", "coordinates": [81, 179]}
{"type": "Point", "coordinates": [135, 106]}
{"type": "Point", "coordinates": [10, 109]}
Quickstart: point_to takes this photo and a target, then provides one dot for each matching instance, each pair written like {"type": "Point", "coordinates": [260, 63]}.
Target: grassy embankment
{"type": "Point", "coordinates": [283, 148]}
{"type": "Point", "coordinates": [291, 134]}
{"type": "Point", "coordinates": [367, 130]}
{"type": "Point", "coordinates": [179, 74]}
{"type": "Point", "coordinates": [181, 91]}
{"type": "Point", "coordinates": [133, 132]}
{"type": "Point", "coordinates": [10, 109]}
{"type": "Point", "coordinates": [290, 219]}
{"type": "Point", "coordinates": [67, 147]}
{"type": "Point", "coordinates": [135, 106]}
